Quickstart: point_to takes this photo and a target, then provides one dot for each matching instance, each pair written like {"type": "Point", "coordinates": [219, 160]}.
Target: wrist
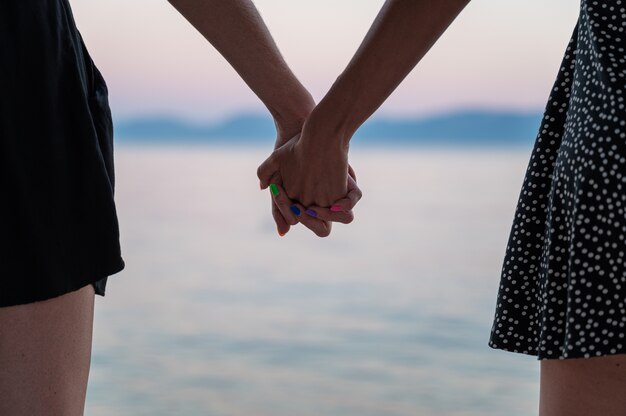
{"type": "Point", "coordinates": [328, 128]}
{"type": "Point", "coordinates": [290, 114]}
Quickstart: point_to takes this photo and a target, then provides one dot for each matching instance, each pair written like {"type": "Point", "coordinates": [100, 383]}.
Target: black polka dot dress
{"type": "Point", "coordinates": [563, 285]}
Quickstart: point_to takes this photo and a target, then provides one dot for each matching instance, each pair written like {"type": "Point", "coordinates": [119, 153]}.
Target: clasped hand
{"type": "Point", "coordinates": [311, 182]}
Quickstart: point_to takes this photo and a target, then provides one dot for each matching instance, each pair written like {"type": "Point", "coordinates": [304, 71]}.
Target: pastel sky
{"type": "Point", "coordinates": [498, 54]}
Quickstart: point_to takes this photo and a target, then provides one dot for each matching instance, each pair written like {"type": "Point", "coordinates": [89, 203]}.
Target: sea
{"type": "Point", "coordinates": [215, 314]}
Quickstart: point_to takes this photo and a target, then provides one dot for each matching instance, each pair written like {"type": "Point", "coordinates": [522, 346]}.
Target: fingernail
{"type": "Point", "coordinates": [281, 234]}
{"type": "Point", "coordinates": [311, 213]}
{"type": "Point", "coordinates": [274, 189]}
{"type": "Point", "coordinates": [295, 210]}
{"type": "Point", "coordinates": [336, 208]}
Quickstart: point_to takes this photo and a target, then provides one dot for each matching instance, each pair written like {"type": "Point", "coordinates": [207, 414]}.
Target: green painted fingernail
{"type": "Point", "coordinates": [274, 189]}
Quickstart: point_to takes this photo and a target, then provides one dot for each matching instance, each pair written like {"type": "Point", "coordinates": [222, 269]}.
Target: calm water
{"type": "Point", "coordinates": [215, 314]}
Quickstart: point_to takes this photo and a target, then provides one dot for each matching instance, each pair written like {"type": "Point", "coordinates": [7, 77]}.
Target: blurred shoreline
{"type": "Point", "coordinates": [462, 128]}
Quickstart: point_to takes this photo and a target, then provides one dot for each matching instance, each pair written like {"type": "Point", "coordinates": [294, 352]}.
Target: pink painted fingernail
{"type": "Point", "coordinates": [336, 208]}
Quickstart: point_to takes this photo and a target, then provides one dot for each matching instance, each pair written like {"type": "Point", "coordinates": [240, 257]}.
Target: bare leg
{"type": "Point", "coordinates": [45, 353]}
{"type": "Point", "coordinates": [583, 387]}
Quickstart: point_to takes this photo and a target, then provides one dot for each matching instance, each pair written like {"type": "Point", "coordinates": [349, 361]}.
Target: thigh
{"type": "Point", "coordinates": [45, 353]}
{"type": "Point", "coordinates": [583, 387]}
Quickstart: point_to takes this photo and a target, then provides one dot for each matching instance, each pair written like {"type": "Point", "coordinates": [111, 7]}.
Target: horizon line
{"type": "Point", "coordinates": [382, 116]}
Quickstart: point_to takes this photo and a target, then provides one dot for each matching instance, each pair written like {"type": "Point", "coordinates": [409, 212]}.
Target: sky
{"type": "Point", "coordinates": [498, 54]}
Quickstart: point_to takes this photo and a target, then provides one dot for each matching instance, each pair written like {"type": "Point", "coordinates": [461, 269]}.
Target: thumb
{"type": "Point", "coordinates": [268, 169]}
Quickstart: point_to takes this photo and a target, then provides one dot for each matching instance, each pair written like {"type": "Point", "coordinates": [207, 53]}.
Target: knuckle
{"type": "Point", "coordinates": [282, 203]}
{"type": "Point", "coordinates": [305, 201]}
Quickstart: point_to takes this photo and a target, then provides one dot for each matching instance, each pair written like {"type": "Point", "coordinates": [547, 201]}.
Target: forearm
{"type": "Point", "coordinates": [401, 35]}
{"type": "Point", "coordinates": [237, 31]}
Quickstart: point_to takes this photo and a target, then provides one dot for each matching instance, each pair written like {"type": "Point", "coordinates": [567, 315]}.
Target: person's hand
{"type": "Point", "coordinates": [318, 177]}
{"type": "Point", "coordinates": [282, 212]}
{"type": "Point", "coordinates": [312, 175]}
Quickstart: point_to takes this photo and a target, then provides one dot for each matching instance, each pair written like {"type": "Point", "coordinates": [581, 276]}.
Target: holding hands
{"type": "Point", "coordinates": [310, 182]}
{"type": "Point", "coordinates": [309, 175]}
{"type": "Point", "coordinates": [308, 172]}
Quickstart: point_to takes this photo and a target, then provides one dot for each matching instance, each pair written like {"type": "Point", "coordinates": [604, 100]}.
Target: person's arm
{"type": "Point", "coordinates": [401, 35]}
{"type": "Point", "coordinates": [237, 31]}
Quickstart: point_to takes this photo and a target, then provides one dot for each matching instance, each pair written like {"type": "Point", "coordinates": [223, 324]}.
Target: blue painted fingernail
{"type": "Point", "coordinates": [295, 210]}
{"type": "Point", "coordinates": [311, 213]}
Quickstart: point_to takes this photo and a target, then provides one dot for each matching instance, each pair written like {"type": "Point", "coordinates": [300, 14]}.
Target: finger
{"type": "Point", "coordinates": [341, 210]}
{"type": "Point", "coordinates": [267, 169]}
{"type": "Point", "coordinates": [352, 198]}
{"type": "Point", "coordinates": [282, 227]}
{"type": "Point", "coordinates": [319, 227]}
{"type": "Point", "coordinates": [325, 214]}
{"type": "Point", "coordinates": [351, 172]}
{"type": "Point", "coordinates": [283, 203]}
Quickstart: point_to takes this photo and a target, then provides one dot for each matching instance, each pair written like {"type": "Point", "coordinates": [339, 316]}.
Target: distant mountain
{"type": "Point", "coordinates": [459, 128]}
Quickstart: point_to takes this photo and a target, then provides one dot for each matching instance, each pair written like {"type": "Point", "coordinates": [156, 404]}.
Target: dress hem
{"type": "Point", "coordinates": [573, 355]}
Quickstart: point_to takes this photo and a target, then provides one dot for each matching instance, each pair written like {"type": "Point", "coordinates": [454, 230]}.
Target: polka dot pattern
{"type": "Point", "coordinates": [562, 292]}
